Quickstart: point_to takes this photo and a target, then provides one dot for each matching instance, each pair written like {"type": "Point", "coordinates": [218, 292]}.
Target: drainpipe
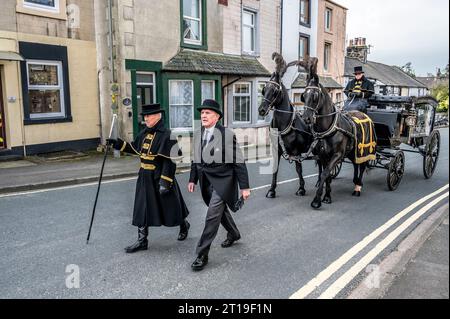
{"type": "Point", "coordinates": [281, 32]}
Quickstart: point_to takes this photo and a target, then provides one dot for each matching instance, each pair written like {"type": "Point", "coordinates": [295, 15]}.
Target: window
{"type": "Point", "coordinates": [208, 90]}
{"type": "Point", "coordinates": [242, 101]}
{"type": "Point", "coordinates": [146, 91]}
{"type": "Point", "coordinates": [249, 32]}
{"type": "Point", "coordinates": [305, 7]}
{"type": "Point", "coordinates": [192, 21]}
{"type": "Point", "coordinates": [46, 5]}
{"type": "Point", "coordinates": [338, 97]}
{"type": "Point", "coordinates": [328, 19]}
{"type": "Point", "coordinates": [303, 46]}
{"type": "Point", "coordinates": [326, 57]}
{"type": "Point", "coordinates": [261, 86]}
{"type": "Point", "coordinates": [45, 89]}
{"type": "Point", "coordinates": [181, 103]}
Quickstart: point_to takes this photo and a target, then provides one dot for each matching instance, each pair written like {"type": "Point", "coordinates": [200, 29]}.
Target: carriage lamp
{"type": "Point", "coordinates": [410, 121]}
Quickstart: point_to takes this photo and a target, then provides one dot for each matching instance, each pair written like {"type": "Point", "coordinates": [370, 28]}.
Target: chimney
{"type": "Point", "coordinates": [358, 49]}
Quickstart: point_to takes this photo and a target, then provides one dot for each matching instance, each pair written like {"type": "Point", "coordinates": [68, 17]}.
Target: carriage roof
{"type": "Point", "coordinates": [402, 100]}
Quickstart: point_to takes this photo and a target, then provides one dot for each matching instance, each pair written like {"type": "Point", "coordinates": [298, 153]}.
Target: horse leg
{"type": "Point", "coordinates": [320, 172]}
{"type": "Point", "coordinates": [327, 197]}
{"type": "Point", "coordinates": [272, 191]}
{"type": "Point", "coordinates": [301, 191]}
{"type": "Point", "coordinates": [326, 174]}
{"type": "Point", "coordinates": [358, 182]}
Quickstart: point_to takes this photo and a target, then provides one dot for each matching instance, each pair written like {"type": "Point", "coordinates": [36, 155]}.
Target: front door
{"type": "Point", "coordinates": [145, 85]}
{"type": "Point", "coordinates": [2, 120]}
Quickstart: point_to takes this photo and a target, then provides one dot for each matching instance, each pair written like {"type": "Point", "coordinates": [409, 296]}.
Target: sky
{"type": "Point", "coordinates": [402, 31]}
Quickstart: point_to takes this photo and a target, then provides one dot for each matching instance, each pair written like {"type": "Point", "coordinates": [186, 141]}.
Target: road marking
{"type": "Point", "coordinates": [345, 279]}
{"type": "Point", "coordinates": [284, 182]}
{"type": "Point", "coordinates": [314, 283]}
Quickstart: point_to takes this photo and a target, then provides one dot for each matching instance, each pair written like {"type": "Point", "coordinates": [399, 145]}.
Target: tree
{"type": "Point", "coordinates": [407, 68]}
{"type": "Point", "coordinates": [446, 71]}
{"type": "Point", "coordinates": [440, 93]}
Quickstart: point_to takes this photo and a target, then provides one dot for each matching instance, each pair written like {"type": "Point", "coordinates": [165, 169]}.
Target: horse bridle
{"type": "Point", "coordinates": [315, 110]}
{"type": "Point", "coordinates": [272, 103]}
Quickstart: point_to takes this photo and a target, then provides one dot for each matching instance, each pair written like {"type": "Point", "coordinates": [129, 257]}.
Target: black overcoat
{"type": "Point", "coordinates": [157, 151]}
{"type": "Point", "coordinates": [221, 165]}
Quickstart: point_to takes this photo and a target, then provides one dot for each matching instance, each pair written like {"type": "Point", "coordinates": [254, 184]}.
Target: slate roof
{"type": "Point", "coordinates": [327, 82]}
{"type": "Point", "coordinates": [389, 75]}
{"type": "Point", "coordinates": [433, 81]}
{"type": "Point", "coordinates": [215, 63]}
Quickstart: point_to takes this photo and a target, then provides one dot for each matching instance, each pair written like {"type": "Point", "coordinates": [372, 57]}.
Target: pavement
{"type": "Point", "coordinates": [422, 272]}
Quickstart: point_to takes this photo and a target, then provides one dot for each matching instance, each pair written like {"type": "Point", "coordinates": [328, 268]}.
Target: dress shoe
{"type": "Point", "coordinates": [200, 263]}
{"type": "Point", "coordinates": [141, 243]}
{"type": "Point", "coordinates": [184, 231]}
{"type": "Point", "coordinates": [229, 242]}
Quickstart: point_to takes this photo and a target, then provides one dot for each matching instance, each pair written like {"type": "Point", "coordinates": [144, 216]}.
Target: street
{"type": "Point", "coordinates": [284, 245]}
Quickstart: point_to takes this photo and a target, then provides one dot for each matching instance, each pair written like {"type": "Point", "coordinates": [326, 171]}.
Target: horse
{"type": "Point", "coordinates": [335, 133]}
{"type": "Point", "coordinates": [294, 137]}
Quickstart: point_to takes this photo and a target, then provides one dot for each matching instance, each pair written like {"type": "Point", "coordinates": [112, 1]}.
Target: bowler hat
{"type": "Point", "coordinates": [211, 105]}
{"type": "Point", "coordinates": [150, 109]}
{"type": "Point", "coordinates": [358, 69]}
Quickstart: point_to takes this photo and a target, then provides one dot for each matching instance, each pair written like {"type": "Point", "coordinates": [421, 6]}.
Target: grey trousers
{"type": "Point", "coordinates": [217, 214]}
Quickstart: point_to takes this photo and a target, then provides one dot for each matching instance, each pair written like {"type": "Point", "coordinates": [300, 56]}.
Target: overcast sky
{"type": "Point", "coordinates": [402, 31]}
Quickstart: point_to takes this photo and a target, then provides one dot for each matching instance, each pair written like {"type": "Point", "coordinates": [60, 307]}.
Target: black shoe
{"type": "Point", "coordinates": [184, 231]}
{"type": "Point", "coordinates": [200, 263]}
{"type": "Point", "coordinates": [142, 242]}
{"type": "Point", "coordinates": [137, 246]}
{"type": "Point", "coordinates": [229, 242]}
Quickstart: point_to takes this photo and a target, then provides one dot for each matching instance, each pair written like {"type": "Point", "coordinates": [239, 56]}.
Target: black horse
{"type": "Point", "coordinates": [294, 137]}
{"type": "Point", "coordinates": [334, 131]}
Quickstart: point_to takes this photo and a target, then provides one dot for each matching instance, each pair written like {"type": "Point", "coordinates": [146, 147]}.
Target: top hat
{"type": "Point", "coordinates": [358, 69]}
{"type": "Point", "coordinates": [151, 109]}
{"type": "Point", "coordinates": [211, 105]}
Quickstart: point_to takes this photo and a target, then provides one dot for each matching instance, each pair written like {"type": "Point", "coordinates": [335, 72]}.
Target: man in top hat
{"type": "Point", "coordinates": [358, 91]}
{"type": "Point", "coordinates": [158, 199]}
{"type": "Point", "coordinates": [220, 168]}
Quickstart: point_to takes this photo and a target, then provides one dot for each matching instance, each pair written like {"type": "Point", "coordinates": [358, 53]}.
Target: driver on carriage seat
{"type": "Point", "coordinates": [358, 91]}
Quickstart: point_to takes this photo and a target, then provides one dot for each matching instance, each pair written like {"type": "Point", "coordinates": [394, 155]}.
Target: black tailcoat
{"type": "Point", "coordinates": [221, 165]}
{"type": "Point", "coordinates": [156, 150]}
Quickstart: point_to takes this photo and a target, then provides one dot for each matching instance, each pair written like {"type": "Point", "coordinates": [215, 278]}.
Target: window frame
{"type": "Point", "coordinates": [258, 95]}
{"type": "Point", "coordinates": [199, 20]}
{"type": "Point", "coordinates": [307, 24]}
{"type": "Point", "coordinates": [308, 49]}
{"type": "Point", "coordinates": [182, 129]}
{"type": "Point", "coordinates": [254, 28]}
{"type": "Point", "coordinates": [328, 28]}
{"type": "Point", "coordinates": [327, 57]}
{"type": "Point", "coordinates": [249, 94]}
{"type": "Point", "coordinates": [190, 44]}
{"type": "Point", "coordinates": [60, 88]}
{"type": "Point", "coordinates": [42, 7]}
{"type": "Point", "coordinates": [147, 84]}
{"type": "Point", "coordinates": [214, 88]}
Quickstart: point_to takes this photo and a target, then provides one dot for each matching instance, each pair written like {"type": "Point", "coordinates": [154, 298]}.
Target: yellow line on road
{"type": "Point", "coordinates": [314, 283]}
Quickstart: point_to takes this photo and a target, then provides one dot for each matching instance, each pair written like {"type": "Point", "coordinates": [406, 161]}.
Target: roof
{"type": "Point", "coordinates": [327, 82]}
{"type": "Point", "coordinates": [11, 56]}
{"type": "Point", "coordinates": [215, 63]}
{"type": "Point", "coordinates": [337, 4]}
{"type": "Point", "coordinates": [432, 81]}
{"type": "Point", "coordinates": [389, 75]}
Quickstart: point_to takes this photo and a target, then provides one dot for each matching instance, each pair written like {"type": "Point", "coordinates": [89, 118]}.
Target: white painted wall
{"type": "Point", "coordinates": [291, 32]}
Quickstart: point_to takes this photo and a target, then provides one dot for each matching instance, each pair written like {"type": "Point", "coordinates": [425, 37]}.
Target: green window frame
{"type": "Point", "coordinates": [197, 80]}
{"type": "Point", "coordinates": [203, 45]}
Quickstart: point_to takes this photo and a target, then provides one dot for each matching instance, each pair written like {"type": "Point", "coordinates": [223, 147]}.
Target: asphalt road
{"type": "Point", "coordinates": [284, 245]}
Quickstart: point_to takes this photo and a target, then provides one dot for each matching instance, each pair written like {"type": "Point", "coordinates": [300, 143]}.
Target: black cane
{"type": "Point", "coordinates": [100, 180]}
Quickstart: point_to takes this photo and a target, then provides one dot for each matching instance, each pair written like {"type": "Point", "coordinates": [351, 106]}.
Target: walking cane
{"type": "Point", "coordinates": [100, 179]}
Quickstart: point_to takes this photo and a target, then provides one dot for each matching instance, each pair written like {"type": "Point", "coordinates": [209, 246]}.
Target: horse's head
{"type": "Point", "coordinates": [272, 95]}
{"type": "Point", "coordinates": [313, 92]}
{"type": "Point", "coordinates": [274, 90]}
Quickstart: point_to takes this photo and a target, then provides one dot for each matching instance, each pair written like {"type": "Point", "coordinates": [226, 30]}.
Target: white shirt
{"type": "Point", "coordinates": [208, 134]}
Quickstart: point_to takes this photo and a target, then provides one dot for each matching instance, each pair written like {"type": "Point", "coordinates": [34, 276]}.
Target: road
{"type": "Point", "coordinates": [285, 244]}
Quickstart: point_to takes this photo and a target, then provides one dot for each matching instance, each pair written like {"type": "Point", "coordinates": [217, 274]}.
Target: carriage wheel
{"type": "Point", "coordinates": [336, 171]}
{"type": "Point", "coordinates": [396, 170]}
{"type": "Point", "coordinates": [431, 156]}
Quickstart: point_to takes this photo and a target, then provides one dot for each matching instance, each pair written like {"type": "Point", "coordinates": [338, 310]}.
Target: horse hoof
{"type": "Point", "coordinates": [271, 194]}
{"type": "Point", "coordinates": [356, 194]}
{"type": "Point", "coordinates": [327, 200]}
{"type": "Point", "coordinates": [301, 192]}
{"type": "Point", "coordinates": [316, 204]}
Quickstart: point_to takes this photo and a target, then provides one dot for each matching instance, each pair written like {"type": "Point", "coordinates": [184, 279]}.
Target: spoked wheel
{"type": "Point", "coordinates": [396, 171]}
{"type": "Point", "coordinates": [431, 155]}
{"type": "Point", "coordinates": [336, 171]}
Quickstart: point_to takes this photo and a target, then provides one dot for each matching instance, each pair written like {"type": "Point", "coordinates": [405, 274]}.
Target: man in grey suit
{"type": "Point", "coordinates": [220, 168]}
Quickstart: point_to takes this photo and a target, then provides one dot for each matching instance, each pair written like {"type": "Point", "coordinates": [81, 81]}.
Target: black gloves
{"type": "Point", "coordinates": [163, 190]}
{"type": "Point", "coordinates": [112, 142]}
{"type": "Point", "coordinates": [357, 95]}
